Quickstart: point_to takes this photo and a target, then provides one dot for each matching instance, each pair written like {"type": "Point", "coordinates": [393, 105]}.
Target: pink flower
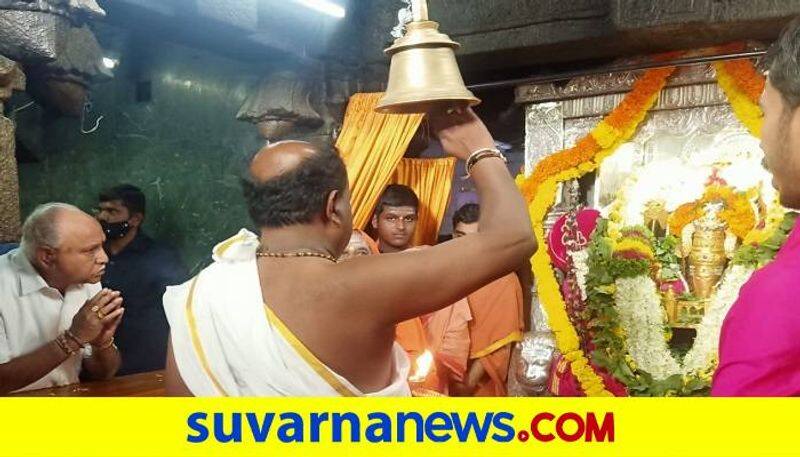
{"type": "Point", "coordinates": [676, 285]}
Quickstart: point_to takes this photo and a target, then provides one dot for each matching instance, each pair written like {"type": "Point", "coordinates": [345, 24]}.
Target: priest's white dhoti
{"type": "Point", "coordinates": [228, 342]}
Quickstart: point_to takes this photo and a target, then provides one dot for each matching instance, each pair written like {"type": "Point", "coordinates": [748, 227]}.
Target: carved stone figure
{"type": "Point", "coordinates": [36, 30]}
{"type": "Point", "coordinates": [531, 364]}
{"type": "Point", "coordinates": [63, 84]}
{"type": "Point", "coordinates": [11, 78]}
{"type": "Point", "coordinates": [281, 104]}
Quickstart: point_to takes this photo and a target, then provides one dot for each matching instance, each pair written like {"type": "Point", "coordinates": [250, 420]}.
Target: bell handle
{"type": "Point", "coordinates": [419, 9]}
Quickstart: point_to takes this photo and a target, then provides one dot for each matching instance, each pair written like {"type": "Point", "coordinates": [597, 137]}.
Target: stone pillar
{"type": "Point", "coordinates": [544, 132]}
{"type": "Point", "coordinates": [544, 135]}
{"type": "Point", "coordinates": [532, 358]}
{"type": "Point", "coordinates": [11, 78]}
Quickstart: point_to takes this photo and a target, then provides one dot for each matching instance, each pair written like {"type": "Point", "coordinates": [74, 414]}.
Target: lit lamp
{"type": "Point", "coordinates": [423, 74]}
{"type": "Point", "coordinates": [416, 381]}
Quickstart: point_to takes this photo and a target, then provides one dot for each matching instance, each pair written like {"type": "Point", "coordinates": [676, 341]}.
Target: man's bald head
{"type": "Point", "coordinates": [278, 158]}
{"type": "Point", "coordinates": [289, 182]}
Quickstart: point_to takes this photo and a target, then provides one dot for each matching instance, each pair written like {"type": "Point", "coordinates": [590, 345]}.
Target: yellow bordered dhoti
{"type": "Point", "coordinates": [227, 342]}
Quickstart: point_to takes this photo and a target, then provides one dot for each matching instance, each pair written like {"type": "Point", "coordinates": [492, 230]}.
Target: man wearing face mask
{"type": "Point", "coordinates": [141, 269]}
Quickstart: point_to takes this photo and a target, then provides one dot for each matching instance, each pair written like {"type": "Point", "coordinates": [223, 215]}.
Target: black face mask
{"type": "Point", "coordinates": [115, 230]}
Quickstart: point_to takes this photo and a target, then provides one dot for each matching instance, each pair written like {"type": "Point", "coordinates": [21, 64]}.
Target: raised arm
{"type": "Point", "coordinates": [394, 287]}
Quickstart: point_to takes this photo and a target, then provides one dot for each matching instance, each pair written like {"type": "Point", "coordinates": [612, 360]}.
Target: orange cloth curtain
{"type": "Point", "coordinates": [431, 180]}
{"type": "Point", "coordinates": [372, 145]}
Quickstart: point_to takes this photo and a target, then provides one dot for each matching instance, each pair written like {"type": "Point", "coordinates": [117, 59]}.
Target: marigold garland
{"type": "Point", "coordinates": [744, 74]}
{"type": "Point", "coordinates": [590, 150]}
{"type": "Point", "coordinates": [738, 213]}
{"type": "Point", "coordinates": [636, 246]}
{"type": "Point", "coordinates": [742, 85]}
{"type": "Point", "coordinates": [682, 216]}
{"type": "Point", "coordinates": [772, 221]}
{"type": "Point", "coordinates": [540, 189]}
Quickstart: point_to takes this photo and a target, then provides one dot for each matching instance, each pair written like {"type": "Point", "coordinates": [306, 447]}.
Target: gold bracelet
{"type": "Point", "coordinates": [103, 347]}
{"type": "Point", "coordinates": [63, 344]}
{"type": "Point", "coordinates": [481, 154]}
{"type": "Point", "coordinates": [74, 338]}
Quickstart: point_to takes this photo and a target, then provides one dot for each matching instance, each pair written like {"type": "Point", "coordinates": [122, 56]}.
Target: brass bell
{"type": "Point", "coordinates": [423, 74]}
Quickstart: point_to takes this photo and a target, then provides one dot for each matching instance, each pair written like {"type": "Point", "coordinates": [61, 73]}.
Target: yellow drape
{"type": "Point", "coordinates": [431, 180]}
{"type": "Point", "coordinates": [371, 145]}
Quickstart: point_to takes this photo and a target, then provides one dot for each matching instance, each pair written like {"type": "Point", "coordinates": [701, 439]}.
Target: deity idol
{"type": "Point", "coordinates": [707, 244]}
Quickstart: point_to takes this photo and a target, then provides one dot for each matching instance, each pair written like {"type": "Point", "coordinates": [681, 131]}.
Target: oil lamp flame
{"type": "Point", "coordinates": [423, 367]}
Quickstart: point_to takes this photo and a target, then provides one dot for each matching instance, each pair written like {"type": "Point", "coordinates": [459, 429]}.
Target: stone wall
{"type": "Point", "coordinates": [183, 146]}
{"type": "Point", "coordinates": [11, 79]}
{"type": "Point", "coordinates": [501, 34]}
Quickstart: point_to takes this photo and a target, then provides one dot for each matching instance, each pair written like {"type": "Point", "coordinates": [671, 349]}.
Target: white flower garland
{"type": "Point", "coordinates": [676, 182]}
{"type": "Point", "coordinates": [706, 342]}
{"type": "Point", "coordinates": [637, 300]}
{"type": "Point", "coordinates": [642, 319]}
{"type": "Point", "coordinates": [580, 264]}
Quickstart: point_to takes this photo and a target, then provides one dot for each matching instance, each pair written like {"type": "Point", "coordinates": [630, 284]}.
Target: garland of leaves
{"type": "Point", "coordinates": [539, 189]}
{"type": "Point", "coordinates": [757, 255]}
{"type": "Point", "coordinates": [573, 296]}
{"type": "Point", "coordinates": [607, 271]}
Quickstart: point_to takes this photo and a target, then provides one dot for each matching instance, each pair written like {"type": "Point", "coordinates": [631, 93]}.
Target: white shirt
{"type": "Point", "coordinates": [33, 314]}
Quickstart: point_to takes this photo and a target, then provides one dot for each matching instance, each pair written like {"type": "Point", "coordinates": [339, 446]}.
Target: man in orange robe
{"type": "Point", "coordinates": [447, 333]}
{"type": "Point", "coordinates": [409, 334]}
{"type": "Point", "coordinates": [497, 323]}
{"type": "Point", "coordinates": [443, 332]}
